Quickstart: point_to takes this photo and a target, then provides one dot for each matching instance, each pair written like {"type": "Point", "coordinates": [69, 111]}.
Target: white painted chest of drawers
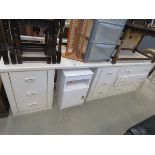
{"type": "Point", "coordinates": [29, 91]}
{"type": "Point", "coordinates": [115, 80]}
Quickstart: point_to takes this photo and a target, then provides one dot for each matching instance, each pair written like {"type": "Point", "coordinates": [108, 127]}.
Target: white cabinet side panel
{"type": "Point", "coordinates": [93, 82]}
{"type": "Point", "coordinates": [50, 87]}
{"type": "Point", "coordinates": [9, 92]}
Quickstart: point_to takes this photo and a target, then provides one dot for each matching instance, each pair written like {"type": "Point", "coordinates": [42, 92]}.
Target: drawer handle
{"type": "Point", "coordinates": [30, 79]}
{"type": "Point", "coordinates": [104, 83]}
{"type": "Point", "coordinates": [122, 81]}
{"type": "Point", "coordinates": [82, 97]}
{"type": "Point", "coordinates": [109, 73]}
{"type": "Point", "coordinates": [128, 71]}
{"type": "Point", "coordinates": [101, 93]}
{"type": "Point", "coordinates": [141, 79]}
{"type": "Point", "coordinates": [31, 93]}
{"type": "Point", "coordinates": [32, 104]}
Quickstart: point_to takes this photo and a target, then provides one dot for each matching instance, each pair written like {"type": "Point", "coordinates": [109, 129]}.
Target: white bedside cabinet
{"type": "Point", "coordinates": [72, 87]}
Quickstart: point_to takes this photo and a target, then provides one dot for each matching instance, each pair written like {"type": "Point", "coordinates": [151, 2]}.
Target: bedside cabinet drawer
{"type": "Point", "coordinates": [29, 89]}
{"type": "Point", "coordinates": [125, 80]}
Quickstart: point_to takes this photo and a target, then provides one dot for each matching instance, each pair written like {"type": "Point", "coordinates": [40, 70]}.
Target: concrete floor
{"type": "Point", "coordinates": [111, 115]}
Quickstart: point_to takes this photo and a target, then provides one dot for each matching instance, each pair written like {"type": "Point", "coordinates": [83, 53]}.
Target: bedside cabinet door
{"type": "Point", "coordinates": [29, 89]}
{"type": "Point", "coordinates": [73, 98]}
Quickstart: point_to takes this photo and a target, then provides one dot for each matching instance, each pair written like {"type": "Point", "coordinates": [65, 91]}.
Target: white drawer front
{"type": "Point", "coordinates": [109, 73]}
{"type": "Point", "coordinates": [125, 80]}
{"type": "Point", "coordinates": [29, 89]}
{"type": "Point", "coordinates": [101, 89]}
{"type": "Point", "coordinates": [102, 83]}
{"type": "Point", "coordinates": [136, 70]}
{"type": "Point", "coordinates": [100, 92]}
{"type": "Point", "coordinates": [124, 89]}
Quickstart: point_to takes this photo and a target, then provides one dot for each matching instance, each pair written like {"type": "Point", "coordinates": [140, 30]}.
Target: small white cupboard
{"type": "Point", "coordinates": [72, 87]}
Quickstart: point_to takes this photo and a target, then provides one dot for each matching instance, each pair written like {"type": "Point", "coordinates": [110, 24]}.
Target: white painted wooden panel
{"type": "Point", "coordinates": [94, 80]}
{"type": "Point", "coordinates": [113, 80]}
{"type": "Point", "coordinates": [109, 72]}
{"type": "Point", "coordinates": [9, 92]}
{"type": "Point", "coordinates": [133, 79]}
{"type": "Point", "coordinates": [75, 79]}
{"type": "Point", "coordinates": [101, 89]}
{"type": "Point", "coordinates": [100, 92]}
{"type": "Point", "coordinates": [30, 89]}
{"type": "Point", "coordinates": [73, 98]}
{"type": "Point", "coordinates": [124, 89]}
{"type": "Point", "coordinates": [72, 87]}
{"type": "Point", "coordinates": [131, 70]}
{"type": "Point", "coordinates": [50, 87]}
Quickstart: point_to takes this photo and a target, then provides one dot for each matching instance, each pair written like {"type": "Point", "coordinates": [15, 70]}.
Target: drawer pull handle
{"type": "Point", "coordinates": [31, 93]}
{"type": "Point", "coordinates": [104, 83]}
{"type": "Point", "coordinates": [109, 73]}
{"type": "Point", "coordinates": [82, 97]}
{"type": "Point", "coordinates": [32, 104]}
{"type": "Point", "coordinates": [128, 71]}
{"type": "Point", "coordinates": [30, 79]}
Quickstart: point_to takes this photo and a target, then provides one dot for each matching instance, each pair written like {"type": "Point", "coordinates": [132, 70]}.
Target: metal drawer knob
{"type": "Point", "coordinates": [32, 104]}
{"type": "Point", "coordinates": [82, 97]}
{"type": "Point", "coordinates": [31, 93]}
{"type": "Point", "coordinates": [128, 71]}
{"type": "Point", "coordinates": [101, 93]}
{"type": "Point", "coordinates": [30, 79]}
{"type": "Point", "coordinates": [109, 73]}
